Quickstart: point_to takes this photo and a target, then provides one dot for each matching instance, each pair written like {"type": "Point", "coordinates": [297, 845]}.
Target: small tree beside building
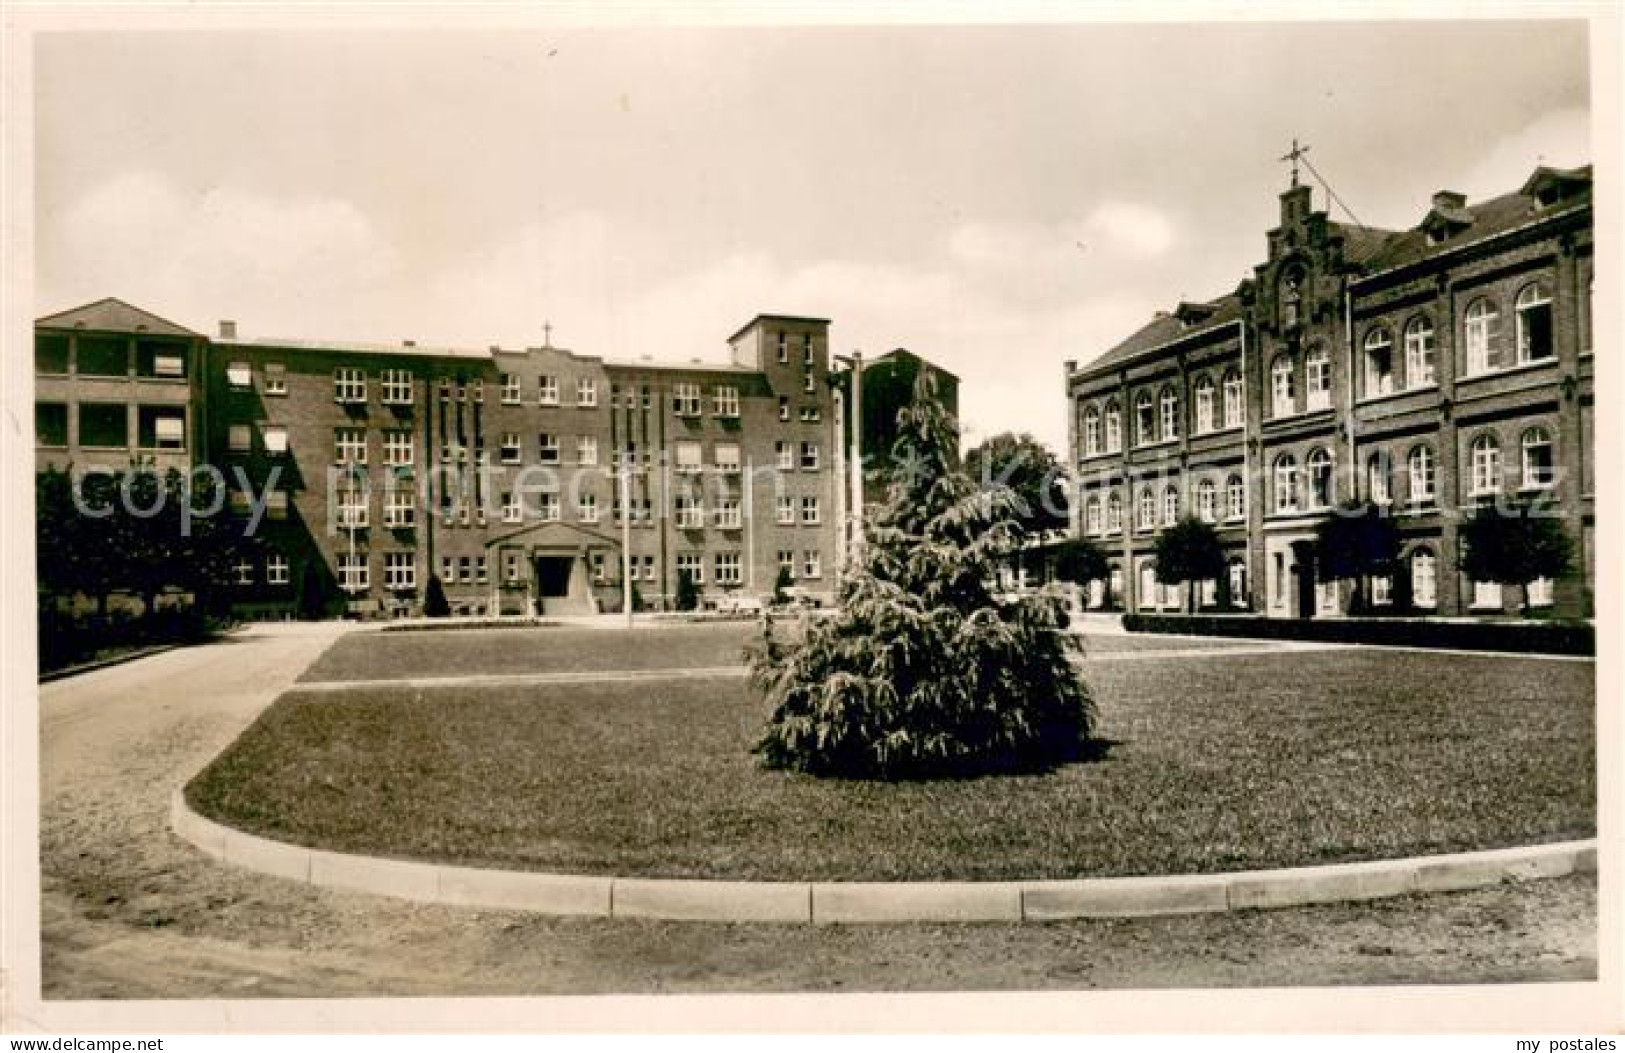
{"type": "Point", "coordinates": [1357, 541]}
{"type": "Point", "coordinates": [1514, 546]}
{"type": "Point", "coordinates": [1188, 552]}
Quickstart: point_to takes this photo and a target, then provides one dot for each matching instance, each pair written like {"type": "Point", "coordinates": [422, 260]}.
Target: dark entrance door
{"type": "Point", "coordinates": [1304, 555]}
{"type": "Point", "coordinates": [552, 575]}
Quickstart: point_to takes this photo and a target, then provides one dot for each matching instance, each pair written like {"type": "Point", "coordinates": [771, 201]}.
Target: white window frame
{"type": "Point", "coordinates": [809, 457]}
{"type": "Point", "coordinates": [785, 453]}
{"type": "Point", "coordinates": [1536, 475]}
{"type": "Point", "coordinates": [1235, 499]}
{"type": "Point", "coordinates": [1421, 473]}
{"type": "Point", "coordinates": [399, 447]}
{"type": "Point", "coordinates": [586, 391]}
{"type": "Point", "coordinates": [547, 390]}
{"type": "Point", "coordinates": [1283, 400]}
{"type": "Point", "coordinates": [1317, 379]}
{"type": "Point", "coordinates": [513, 389]}
{"type": "Point", "coordinates": [1421, 354]}
{"type": "Point", "coordinates": [1424, 571]}
{"type": "Point", "coordinates": [811, 513]}
{"type": "Point", "coordinates": [1534, 296]}
{"type": "Point", "coordinates": [1114, 513]}
{"type": "Point", "coordinates": [587, 508]}
{"type": "Point", "coordinates": [512, 448]}
{"type": "Point", "coordinates": [685, 399]}
{"type": "Point", "coordinates": [729, 568]}
{"type": "Point", "coordinates": [349, 384]}
{"type": "Point", "coordinates": [1484, 453]}
{"type": "Point", "coordinates": [726, 514]}
{"type": "Point", "coordinates": [1114, 427]}
{"type": "Point", "coordinates": [725, 401]}
{"type": "Point", "coordinates": [1092, 516]}
{"type": "Point", "coordinates": [1168, 407]}
{"type": "Point", "coordinates": [1207, 501]}
{"type": "Point", "coordinates": [1170, 506]}
{"type": "Point", "coordinates": [785, 511]}
{"type": "Point", "coordinates": [240, 376]}
{"type": "Point", "coordinates": [513, 507]}
{"type": "Point", "coordinates": [400, 571]}
{"type": "Point", "coordinates": [395, 387]}
{"type": "Point", "coordinates": [812, 565]}
{"type": "Point", "coordinates": [1284, 482]}
{"type": "Point", "coordinates": [349, 445]}
{"type": "Point", "coordinates": [547, 448]}
{"type": "Point", "coordinates": [1091, 431]}
{"type": "Point", "coordinates": [353, 572]}
{"type": "Point", "coordinates": [278, 571]}
{"type": "Point", "coordinates": [1145, 419]}
{"type": "Point", "coordinates": [1204, 395]}
{"type": "Point", "coordinates": [694, 564]}
{"type": "Point", "coordinates": [690, 512]}
{"type": "Point", "coordinates": [587, 449]}
{"type": "Point", "coordinates": [1379, 342]}
{"type": "Point", "coordinates": [1320, 479]}
{"type": "Point", "coordinates": [1481, 327]}
{"type": "Point", "coordinates": [400, 506]}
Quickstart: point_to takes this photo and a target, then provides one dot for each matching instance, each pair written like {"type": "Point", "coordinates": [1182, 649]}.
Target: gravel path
{"type": "Point", "coordinates": [128, 911]}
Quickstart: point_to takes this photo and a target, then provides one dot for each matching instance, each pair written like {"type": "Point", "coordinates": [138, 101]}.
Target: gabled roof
{"type": "Point", "coordinates": [1167, 328]}
{"type": "Point", "coordinates": [1543, 177]}
{"type": "Point", "coordinates": [113, 315]}
{"type": "Point", "coordinates": [898, 354]}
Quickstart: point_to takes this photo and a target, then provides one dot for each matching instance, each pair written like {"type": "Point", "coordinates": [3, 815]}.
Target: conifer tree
{"type": "Point", "coordinates": [923, 672]}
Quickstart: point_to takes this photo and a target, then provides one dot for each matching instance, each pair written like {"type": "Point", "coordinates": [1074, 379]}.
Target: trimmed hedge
{"type": "Point", "coordinates": [1572, 638]}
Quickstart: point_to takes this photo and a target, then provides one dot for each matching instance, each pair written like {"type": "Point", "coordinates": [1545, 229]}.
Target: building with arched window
{"type": "Point", "coordinates": [1426, 370]}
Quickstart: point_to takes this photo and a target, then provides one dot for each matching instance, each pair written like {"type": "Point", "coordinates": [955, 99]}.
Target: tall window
{"type": "Point", "coordinates": [397, 446]}
{"type": "Point", "coordinates": [1234, 412]}
{"type": "Point", "coordinates": [1207, 501]}
{"type": "Point", "coordinates": [1420, 476]}
{"type": "Point", "coordinates": [1114, 427]}
{"type": "Point", "coordinates": [809, 512]}
{"type": "Point", "coordinates": [349, 385]}
{"type": "Point", "coordinates": [586, 391]}
{"type": "Point", "coordinates": [587, 508]}
{"type": "Point", "coordinates": [809, 456]}
{"type": "Point", "coordinates": [400, 571]}
{"type": "Point", "coordinates": [1204, 405]}
{"type": "Point", "coordinates": [1281, 396]}
{"type": "Point", "coordinates": [1424, 578]}
{"type": "Point", "coordinates": [690, 513]}
{"type": "Point", "coordinates": [1146, 516]}
{"type": "Point", "coordinates": [1317, 379]}
{"type": "Point", "coordinates": [511, 453]}
{"type": "Point", "coordinates": [728, 566]}
{"type": "Point", "coordinates": [1322, 491]}
{"type": "Point", "coordinates": [396, 386]}
{"type": "Point", "coordinates": [1170, 414]}
{"type": "Point", "coordinates": [511, 395]}
{"type": "Point", "coordinates": [547, 390]}
{"type": "Point", "coordinates": [1091, 515]}
{"type": "Point", "coordinates": [1286, 483]}
{"type": "Point", "coordinates": [1114, 513]}
{"type": "Point", "coordinates": [1170, 506]}
{"type": "Point", "coordinates": [685, 400]}
{"type": "Point", "coordinates": [725, 455]}
{"type": "Point", "coordinates": [350, 445]}
{"type": "Point", "coordinates": [727, 513]}
{"type": "Point", "coordinates": [587, 449]}
{"type": "Point", "coordinates": [1420, 356]}
{"type": "Point", "coordinates": [1534, 318]}
{"type": "Point", "coordinates": [547, 448]}
{"type": "Point", "coordinates": [1486, 460]}
{"type": "Point", "coordinates": [1379, 362]}
{"type": "Point", "coordinates": [353, 571]}
{"type": "Point", "coordinates": [786, 454]}
{"type": "Point", "coordinates": [1539, 471]}
{"type": "Point", "coordinates": [1091, 432]}
{"type": "Point", "coordinates": [692, 564]}
{"type": "Point", "coordinates": [1235, 498]}
{"type": "Point", "coordinates": [1483, 336]}
{"type": "Point", "coordinates": [811, 563]}
{"type": "Point", "coordinates": [1378, 479]}
{"type": "Point", "coordinates": [725, 401]}
{"type": "Point", "coordinates": [1145, 420]}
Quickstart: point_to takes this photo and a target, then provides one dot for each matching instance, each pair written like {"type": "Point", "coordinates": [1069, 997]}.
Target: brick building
{"type": "Point", "coordinates": [1426, 370]}
{"type": "Point", "coordinates": [366, 468]}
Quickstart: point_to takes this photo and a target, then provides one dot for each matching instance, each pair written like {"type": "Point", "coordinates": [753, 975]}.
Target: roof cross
{"type": "Point", "coordinates": [1295, 155]}
{"type": "Point", "coordinates": [547, 334]}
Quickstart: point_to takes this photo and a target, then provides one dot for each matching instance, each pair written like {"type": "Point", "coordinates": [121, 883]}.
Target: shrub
{"type": "Point", "coordinates": [1188, 551]}
{"type": "Point", "coordinates": [781, 587]}
{"type": "Point", "coordinates": [1514, 547]}
{"type": "Point", "coordinates": [923, 672]}
{"type": "Point", "coordinates": [1576, 638]}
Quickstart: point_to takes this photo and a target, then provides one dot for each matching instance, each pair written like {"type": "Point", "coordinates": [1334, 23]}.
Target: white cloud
{"type": "Point", "coordinates": [1136, 230]}
{"type": "Point", "coordinates": [1558, 139]}
{"type": "Point", "coordinates": [193, 255]}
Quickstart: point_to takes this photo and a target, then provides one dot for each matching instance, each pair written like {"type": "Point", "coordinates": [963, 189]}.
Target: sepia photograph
{"type": "Point", "coordinates": [638, 503]}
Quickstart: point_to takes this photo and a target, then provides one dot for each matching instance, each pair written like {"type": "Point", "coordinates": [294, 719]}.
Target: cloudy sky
{"type": "Point", "coordinates": [997, 199]}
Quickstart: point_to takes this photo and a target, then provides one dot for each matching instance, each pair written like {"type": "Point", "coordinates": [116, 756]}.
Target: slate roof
{"type": "Point", "coordinates": [113, 315]}
{"type": "Point", "coordinates": [1165, 328]}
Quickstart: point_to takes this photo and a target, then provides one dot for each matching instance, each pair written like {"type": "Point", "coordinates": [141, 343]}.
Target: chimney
{"type": "Point", "coordinates": [1449, 199]}
{"type": "Point", "coordinates": [409, 343]}
{"type": "Point", "coordinates": [1071, 366]}
{"type": "Point", "coordinates": [228, 329]}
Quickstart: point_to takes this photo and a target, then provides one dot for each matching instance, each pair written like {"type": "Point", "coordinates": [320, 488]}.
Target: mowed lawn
{"type": "Point", "coordinates": [1219, 763]}
{"type": "Point", "coordinates": [570, 649]}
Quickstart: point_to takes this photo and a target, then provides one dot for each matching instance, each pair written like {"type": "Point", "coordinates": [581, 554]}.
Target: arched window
{"type": "Point", "coordinates": [1091, 431]}
{"type": "Point", "coordinates": [1424, 578]}
{"type": "Point", "coordinates": [1533, 308]}
{"type": "Point", "coordinates": [1420, 367]}
{"type": "Point", "coordinates": [1483, 336]}
{"type": "Point", "coordinates": [1235, 498]}
{"type": "Point", "coordinates": [1207, 501]}
{"type": "Point", "coordinates": [1146, 515]}
{"type": "Point", "coordinates": [1170, 506]}
{"type": "Point", "coordinates": [1322, 492]}
{"type": "Point", "coordinates": [1419, 472]}
{"type": "Point", "coordinates": [1379, 478]}
{"type": "Point", "coordinates": [1091, 515]}
{"type": "Point", "coordinates": [1286, 483]}
{"type": "Point", "coordinates": [1379, 362]}
{"type": "Point", "coordinates": [1234, 406]}
{"type": "Point", "coordinates": [1539, 468]}
{"type": "Point", "coordinates": [1486, 460]}
{"type": "Point", "coordinates": [1114, 427]}
{"type": "Point", "coordinates": [1114, 514]}
{"type": "Point", "coordinates": [1170, 414]}
{"type": "Point", "coordinates": [1204, 405]}
{"type": "Point", "coordinates": [1147, 599]}
{"type": "Point", "coordinates": [1317, 379]}
{"type": "Point", "coordinates": [1282, 399]}
{"type": "Point", "coordinates": [1145, 419]}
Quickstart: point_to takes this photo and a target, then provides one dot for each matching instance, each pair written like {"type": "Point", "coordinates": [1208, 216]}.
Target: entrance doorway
{"type": "Point", "coordinates": [553, 576]}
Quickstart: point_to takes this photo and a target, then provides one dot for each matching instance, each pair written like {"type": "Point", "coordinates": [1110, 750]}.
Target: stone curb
{"type": "Point", "coordinates": [107, 663]}
{"type": "Point", "coordinates": [859, 902]}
